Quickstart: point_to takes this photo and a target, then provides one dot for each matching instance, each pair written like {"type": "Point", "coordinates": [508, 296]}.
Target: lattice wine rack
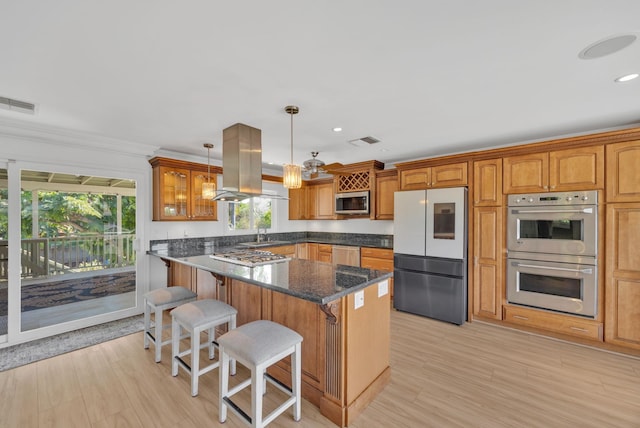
{"type": "Point", "coordinates": [354, 182]}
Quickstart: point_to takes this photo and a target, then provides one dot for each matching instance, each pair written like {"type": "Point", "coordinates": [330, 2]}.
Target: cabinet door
{"type": "Point", "coordinates": [385, 188]}
{"type": "Point", "coordinates": [171, 193]}
{"type": "Point", "coordinates": [324, 208]}
{"type": "Point", "coordinates": [285, 250]}
{"type": "Point", "coordinates": [181, 275]}
{"type": "Point", "coordinates": [297, 203]}
{"type": "Point", "coordinates": [576, 169]}
{"type": "Point", "coordinates": [487, 183]}
{"type": "Point", "coordinates": [488, 265]}
{"type": "Point", "coordinates": [526, 173]}
{"type": "Point", "coordinates": [622, 283]}
{"type": "Point", "coordinates": [324, 253]}
{"type": "Point", "coordinates": [623, 172]}
{"type": "Point", "coordinates": [247, 299]}
{"type": "Point", "coordinates": [312, 251]}
{"type": "Point", "coordinates": [451, 175]}
{"type": "Point", "coordinates": [205, 285]}
{"type": "Point", "coordinates": [202, 209]}
{"type": "Point", "coordinates": [415, 179]}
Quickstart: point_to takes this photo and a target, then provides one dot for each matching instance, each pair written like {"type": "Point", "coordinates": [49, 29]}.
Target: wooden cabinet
{"type": "Point", "coordinates": [177, 191]}
{"type": "Point", "coordinates": [325, 253]}
{"type": "Point", "coordinates": [199, 281]}
{"type": "Point", "coordinates": [488, 266]}
{"type": "Point", "coordinates": [386, 185]}
{"type": "Point", "coordinates": [622, 280]}
{"type": "Point", "coordinates": [487, 183]}
{"type": "Point", "coordinates": [451, 175]}
{"type": "Point", "coordinates": [557, 323]}
{"type": "Point", "coordinates": [285, 250]}
{"type": "Point", "coordinates": [298, 203]}
{"type": "Point", "coordinates": [623, 172]}
{"type": "Point", "coordinates": [579, 168]}
{"type": "Point", "coordinates": [313, 201]}
{"type": "Point", "coordinates": [378, 258]}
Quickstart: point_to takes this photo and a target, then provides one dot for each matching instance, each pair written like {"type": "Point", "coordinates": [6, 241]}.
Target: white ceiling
{"type": "Point", "coordinates": [424, 77]}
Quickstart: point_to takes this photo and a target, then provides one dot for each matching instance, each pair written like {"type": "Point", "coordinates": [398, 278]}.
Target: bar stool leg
{"type": "Point", "coordinates": [224, 384]}
{"type": "Point", "coordinates": [176, 331]}
{"type": "Point", "coordinates": [147, 324]}
{"type": "Point", "coordinates": [232, 325]}
{"type": "Point", "coordinates": [158, 335]}
{"type": "Point", "coordinates": [257, 391]}
{"type": "Point", "coordinates": [296, 375]}
{"type": "Point", "coordinates": [212, 338]}
{"type": "Point", "coordinates": [195, 361]}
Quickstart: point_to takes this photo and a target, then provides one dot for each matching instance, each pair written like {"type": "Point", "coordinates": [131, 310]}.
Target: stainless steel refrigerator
{"type": "Point", "coordinates": [430, 253]}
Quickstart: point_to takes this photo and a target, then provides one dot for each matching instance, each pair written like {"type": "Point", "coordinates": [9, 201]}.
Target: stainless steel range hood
{"type": "Point", "coordinates": [241, 164]}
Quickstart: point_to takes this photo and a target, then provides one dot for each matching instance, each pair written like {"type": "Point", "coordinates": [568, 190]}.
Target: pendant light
{"type": "Point", "coordinates": [208, 188]}
{"type": "Point", "coordinates": [291, 174]}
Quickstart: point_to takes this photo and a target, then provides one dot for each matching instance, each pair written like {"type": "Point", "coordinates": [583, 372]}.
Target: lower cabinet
{"type": "Point", "coordinates": [622, 284]}
{"type": "Point", "coordinates": [378, 258]}
{"type": "Point", "coordinates": [488, 266]}
{"type": "Point", "coordinates": [557, 323]}
{"type": "Point", "coordinates": [285, 250]}
{"type": "Point", "coordinates": [199, 281]}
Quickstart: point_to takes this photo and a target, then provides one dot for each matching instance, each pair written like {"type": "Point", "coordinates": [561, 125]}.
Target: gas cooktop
{"type": "Point", "coordinates": [250, 257]}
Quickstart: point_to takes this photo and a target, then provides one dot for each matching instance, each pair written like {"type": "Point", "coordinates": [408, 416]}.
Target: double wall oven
{"type": "Point", "coordinates": [552, 242]}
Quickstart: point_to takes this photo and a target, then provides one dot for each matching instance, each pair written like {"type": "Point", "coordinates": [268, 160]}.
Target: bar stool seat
{"type": "Point", "coordinates": [258, 345]}
{"type": "Point", "coordinates": [197, 317]}
{"type": "Point", "coordinates": [157, 301]}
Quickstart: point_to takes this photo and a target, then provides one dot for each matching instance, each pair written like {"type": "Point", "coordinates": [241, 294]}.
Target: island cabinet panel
{"type": "Point", "coordinates": [488, 265]}
{"type": "Point", "coordinates": [623, 172]}
{"type": "Point", "coordinates": [246, 298]}
{"type": "Point", "coordinates": [308, 320]}
{"type": "Point", "coordinates": [622, 288]}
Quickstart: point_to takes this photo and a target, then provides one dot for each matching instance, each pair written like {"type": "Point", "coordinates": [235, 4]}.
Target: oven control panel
{"type": "Point", "coordinates": [589, 197]}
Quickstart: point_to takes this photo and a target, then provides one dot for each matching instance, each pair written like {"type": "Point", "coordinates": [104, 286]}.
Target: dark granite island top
{"type": "Point", "coordinates": [309, 280]}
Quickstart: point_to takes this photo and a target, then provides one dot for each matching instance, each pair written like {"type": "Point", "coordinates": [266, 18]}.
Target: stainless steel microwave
{"type": "Point", "coordinates": [352, 203]}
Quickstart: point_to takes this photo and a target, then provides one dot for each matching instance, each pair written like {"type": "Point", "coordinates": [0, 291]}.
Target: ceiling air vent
{"type": "Point", "coordinates": [360, 142]}
{"type": "Point", "coordinates": [17, 105]}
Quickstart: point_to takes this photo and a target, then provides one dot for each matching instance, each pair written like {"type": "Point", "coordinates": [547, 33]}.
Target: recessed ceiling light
{"type": "Point", "coordinates": [337, 129]}
{"type": "Point", "coordinates": [627, 77]}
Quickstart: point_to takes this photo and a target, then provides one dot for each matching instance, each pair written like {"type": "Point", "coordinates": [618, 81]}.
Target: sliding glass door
{"type": "Point", "coordinates": [4, 254]}
{"type": "Point", "coordinates": [77, 256]}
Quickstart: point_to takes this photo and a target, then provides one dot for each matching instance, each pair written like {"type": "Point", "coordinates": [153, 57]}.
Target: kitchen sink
{"type": "Point", "coordinates": [256, 244]}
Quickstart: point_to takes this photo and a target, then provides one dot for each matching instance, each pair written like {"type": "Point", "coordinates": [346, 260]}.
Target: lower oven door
{"type": "Point", "coordinates": [564, 287]}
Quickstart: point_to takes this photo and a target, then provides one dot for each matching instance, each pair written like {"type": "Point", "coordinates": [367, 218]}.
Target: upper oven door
{"type": "Point", "coordinates": [553, 229]}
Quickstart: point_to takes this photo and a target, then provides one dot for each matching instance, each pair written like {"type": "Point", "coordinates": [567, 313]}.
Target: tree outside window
{"type": "Point", "coordinates": [250, 214]}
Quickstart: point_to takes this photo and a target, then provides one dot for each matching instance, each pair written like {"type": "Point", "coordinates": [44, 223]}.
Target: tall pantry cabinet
{"type": "Point", "coordinates": [622, 285]}
{"type": "Point", "coordinates": [488, 242]}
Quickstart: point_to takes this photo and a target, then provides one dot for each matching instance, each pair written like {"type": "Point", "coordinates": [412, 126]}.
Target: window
{"type": "Point", "coordinates": [249, 214]}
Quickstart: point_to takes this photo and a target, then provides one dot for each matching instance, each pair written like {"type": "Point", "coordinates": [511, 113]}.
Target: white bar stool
{"type": "Point", "coordinates": [157, 301]}
{"type": "Point", "coordinates": [196, 317]}
{"type": "Point", "coordinates": [258, 345]}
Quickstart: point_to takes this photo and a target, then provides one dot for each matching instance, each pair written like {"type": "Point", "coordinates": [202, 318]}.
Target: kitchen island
{"type": "Point", "coordinates": [341, 311]}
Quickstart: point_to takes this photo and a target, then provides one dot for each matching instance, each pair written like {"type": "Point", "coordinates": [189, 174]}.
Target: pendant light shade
{"type": "Point", "coordinates": [292, 174]}
{"type": "Point", "coordinates": [208, 188]}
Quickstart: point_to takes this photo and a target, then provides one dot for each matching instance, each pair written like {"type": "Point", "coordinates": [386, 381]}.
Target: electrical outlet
{"type": "Point", "coordinates": [359, 299]}
{"type": "Point", "coordinates": [383, 287]}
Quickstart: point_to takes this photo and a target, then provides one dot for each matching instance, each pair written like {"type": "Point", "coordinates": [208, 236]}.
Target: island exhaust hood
{"type": "Point", "coordinates": [241, 164]}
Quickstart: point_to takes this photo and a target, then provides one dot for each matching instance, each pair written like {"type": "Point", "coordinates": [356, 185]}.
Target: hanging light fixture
{"type": "Point", "coordinates": [208, 188]}
{"type": "Point", "coordinates": [292, 174]}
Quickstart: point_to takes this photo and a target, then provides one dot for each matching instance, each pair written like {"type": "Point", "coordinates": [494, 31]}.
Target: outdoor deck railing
{"type": "Point", "coordinates": [53, 256]}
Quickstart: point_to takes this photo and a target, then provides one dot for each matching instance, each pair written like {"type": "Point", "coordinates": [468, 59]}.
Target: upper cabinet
{"type": "Point", "coordinates": [177, 190]}
{"type": "Point", "coordinates": [579, 168]}
{"type": "Point", "coordinates": [313, 201]}
{"type": "Point", "coordinates": [623, 172]}
{"type": "Point", "coordinates": [386, 185]}
{"type": "Point", "coordinates": [450, 175]}
{"type": "Point", "coordinates": [487, 183]}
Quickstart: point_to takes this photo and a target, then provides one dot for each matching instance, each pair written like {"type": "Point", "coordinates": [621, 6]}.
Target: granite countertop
{"type": "Point", "coordinates": [335, 241]}
{"type": "Point", "coordinates": [314, 281]}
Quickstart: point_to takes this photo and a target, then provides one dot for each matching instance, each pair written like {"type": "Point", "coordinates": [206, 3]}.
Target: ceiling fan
{"type": "Point", "coordinates": [314, 167]}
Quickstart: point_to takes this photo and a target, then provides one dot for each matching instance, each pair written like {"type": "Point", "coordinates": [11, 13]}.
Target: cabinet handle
{"type": "Point", "coordinates": [520, 317]}
{"type": "Point", "coordinates": [582, 330]}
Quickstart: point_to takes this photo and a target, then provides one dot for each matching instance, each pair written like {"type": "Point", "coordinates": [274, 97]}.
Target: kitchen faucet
{"type": "Point", "coordinates": [261, 237]}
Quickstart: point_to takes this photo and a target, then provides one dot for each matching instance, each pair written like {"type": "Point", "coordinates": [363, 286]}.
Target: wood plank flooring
{"type": "Point", "coordinates": [443, 375]}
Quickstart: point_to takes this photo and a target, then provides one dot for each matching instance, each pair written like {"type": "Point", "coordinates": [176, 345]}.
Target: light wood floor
{"type": "Point", "coordinates": [443, 375]}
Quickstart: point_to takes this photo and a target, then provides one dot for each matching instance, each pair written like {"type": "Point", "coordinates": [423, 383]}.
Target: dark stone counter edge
{"type": "Point", "coordinates": [307, 297]}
